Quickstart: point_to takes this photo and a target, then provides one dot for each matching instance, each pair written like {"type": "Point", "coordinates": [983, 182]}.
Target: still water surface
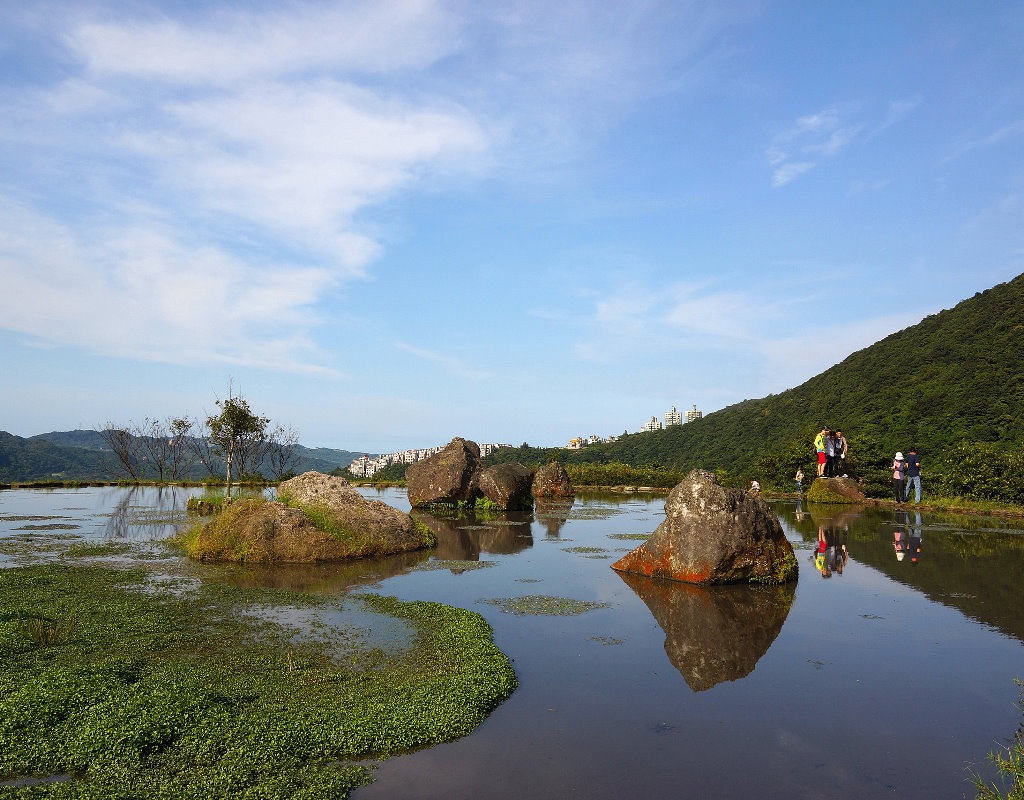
{"type": "Point", "coordinates": [887, 680]}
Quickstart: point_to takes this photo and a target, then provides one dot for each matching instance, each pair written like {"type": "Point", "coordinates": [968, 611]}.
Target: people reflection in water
{"type": "Point", "coordinates": [914, 540]}
{"type": "Point", "coordinates": [832, 554]}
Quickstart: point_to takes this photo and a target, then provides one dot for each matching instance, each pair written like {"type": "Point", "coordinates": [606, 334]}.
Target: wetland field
{"type": "Point", "coordinates": [125, 665]}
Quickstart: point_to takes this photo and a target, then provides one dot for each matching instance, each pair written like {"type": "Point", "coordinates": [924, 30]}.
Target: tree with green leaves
{"type": "Point", "coordinates": [238, 435]}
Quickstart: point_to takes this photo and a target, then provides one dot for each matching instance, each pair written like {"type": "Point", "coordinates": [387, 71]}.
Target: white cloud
{"type": "Point", "coordinates": [147, 295]}
{"type": "Point", "coordinates": [451, 364]}
{"type": "Point", "coordinates": [814, 138]}
{"type": "Point", "coordinates": [790, 171]}
{"type": "Point", "coordinates": [229, 47]}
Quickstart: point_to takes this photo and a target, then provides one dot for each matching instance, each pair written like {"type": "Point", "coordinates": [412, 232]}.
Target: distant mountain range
{"type": "Point", "coordinates": [83, 455]}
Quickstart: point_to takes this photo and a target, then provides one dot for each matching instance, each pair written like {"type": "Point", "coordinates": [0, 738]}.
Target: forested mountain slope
{"type": "Point", "coordinates": [958, 375]}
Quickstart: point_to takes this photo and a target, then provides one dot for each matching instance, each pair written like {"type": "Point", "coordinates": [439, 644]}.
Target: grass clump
{"type": "Point", "coordinates": [820, 493]}
{"type": "Point", "coordinates": [1009, 761]}
{"type": "Point", "coordinates": [164, 696]}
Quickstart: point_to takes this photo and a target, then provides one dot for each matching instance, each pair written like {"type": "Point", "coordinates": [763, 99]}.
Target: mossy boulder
{"type": "Point", "coordinates": [449, 476]}
{"type": "Point", "coordinates": [713, 534]}
{"type": "Point", "coordinates": [507, 485]}
{"type": "Point", "coordinates": [321, 518]}
{"type": "Point", "coordinates": [552, 481]}
{"type": "Point", "coordinates": [835, 490]}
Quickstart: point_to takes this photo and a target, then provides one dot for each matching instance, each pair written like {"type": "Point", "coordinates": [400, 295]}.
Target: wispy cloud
{"type": "Point", "coordinates": [811, 139]}
{"type": "Point", "coordinates": [1015, 128]}
{"type": "Point", "coordinates": [452, 365]}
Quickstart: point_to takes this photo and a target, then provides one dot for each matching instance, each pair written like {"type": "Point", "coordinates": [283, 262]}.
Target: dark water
{"type": "Point", "coordinates": [887, 680]}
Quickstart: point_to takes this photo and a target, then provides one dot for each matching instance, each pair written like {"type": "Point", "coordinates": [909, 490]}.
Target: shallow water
{"type": "Point", "coordinates": [887, 680]}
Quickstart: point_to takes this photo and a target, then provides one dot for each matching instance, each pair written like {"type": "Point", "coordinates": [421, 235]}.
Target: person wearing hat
{"type": "Point", "coordinates": [913, 475]}
{"type": "Point", "coordinates": [899, 471]}
{"type": "Point", "coordinates": [819, 446]}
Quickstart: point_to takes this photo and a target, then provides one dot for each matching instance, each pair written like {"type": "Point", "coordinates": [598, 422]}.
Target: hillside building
{"type": "Point", "coordinates": [693, 414]}
{"type": "Point", "coordinates": [653, 425]}
{"type": "Point", "coordinates": [673, 417]}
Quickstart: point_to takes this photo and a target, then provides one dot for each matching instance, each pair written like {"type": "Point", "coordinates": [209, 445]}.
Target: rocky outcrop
{"type": "Point", "coordinates": [507, 485]}
{"type": "Point", "coordinates": [552, 481]}
{"type": "Point", "coordinates": [449, 476]}
{"type": "Point", "coordinates": [835, 490]}
{"type": "Point", "coordinates": [713, 534]}
{"type": "Point", "coordinates": [717, 633]}
{"type": "Point", "coordinates": [321, 518]}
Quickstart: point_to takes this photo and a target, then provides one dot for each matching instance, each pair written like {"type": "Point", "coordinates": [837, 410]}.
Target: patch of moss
{"type": "Point", "coordinates": [164, 696]}
{"type": "Point", "coordinates": [428, 537]}
{"type": "Point", "coordinates": [821, 493]}
{"type": "Point", "coordinates": [785, 569]}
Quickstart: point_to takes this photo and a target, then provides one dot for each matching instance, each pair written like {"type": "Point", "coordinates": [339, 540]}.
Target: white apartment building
{"type": "Point", "coordinates": [673, 417]}
{"type": "Point", "coordinates": [653, 425]}
{"type": "Point", "coordinates": [693, 414]}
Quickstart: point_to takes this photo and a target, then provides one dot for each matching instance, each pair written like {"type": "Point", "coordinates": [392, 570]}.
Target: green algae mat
{"type": "Point", "coordinates": [123, 687]}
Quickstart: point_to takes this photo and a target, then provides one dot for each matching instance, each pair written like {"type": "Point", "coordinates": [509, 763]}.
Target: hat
{"type": "Point", "coordinates": [899, 456]}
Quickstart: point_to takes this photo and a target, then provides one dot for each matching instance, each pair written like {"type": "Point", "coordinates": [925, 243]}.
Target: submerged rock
{"type": "Point", "coordinates": [449, 476]}
{"type": "Point", "coordinates": [322, 518]}
{"type": "Point", "coordinates": [718, 633]}
{"type": "Point", "coordinates": [835, 490]}
{"type": "Point", "coordinates": [507, 485]}
{"type": "Point", "coordinates": [552, 480]}
{"type": "Point", "coordinates": [714, 534]}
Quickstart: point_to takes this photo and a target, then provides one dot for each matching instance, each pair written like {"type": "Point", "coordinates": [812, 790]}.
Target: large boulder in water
{"type": "Point", "coordinates": [713, 534]}
{"type": "Point", "coordinates": [322, 518]}
{"type": "Point", "coordinates": [552, 480]}
{"type": "Point", "coordinates": [507, 485]}
{"type": "Point", "coordinates": [449, 476]}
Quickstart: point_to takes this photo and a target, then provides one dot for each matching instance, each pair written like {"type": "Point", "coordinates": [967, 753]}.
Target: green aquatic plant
{"type": "Point", "coordinates": [47, 632]}
{"type": "Point", "coordinates": [442, 563]}
{"type": "Point", "coordinates": [163, 695]}
{"type": "Point", "coordinates": [81, 549]}
{"type": "Point", "coordinates": [584, 550]}
{"type": "Point", "coordinates": [630, 536]}
{"type": "Point", "coordinates": [540, 604]}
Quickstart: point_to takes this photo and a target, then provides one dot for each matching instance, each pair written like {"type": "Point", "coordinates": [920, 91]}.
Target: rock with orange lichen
{"type": "Point", "coordinates": [713, 534]}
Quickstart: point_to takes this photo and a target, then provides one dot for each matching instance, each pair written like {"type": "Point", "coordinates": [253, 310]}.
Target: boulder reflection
{"type": "Point", "coordinates": [718, 633]}
{"type": "Point", "coordinates": [553, 514]}
{"type": "Point", "coordinates": [464, 536]}
{"type": "Point", "coordinates": [322, 578]}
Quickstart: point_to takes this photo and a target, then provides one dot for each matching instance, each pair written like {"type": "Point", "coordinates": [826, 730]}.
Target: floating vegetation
{"type": "Point", "coordinates": [27, 518]}
{"type": "Point", "coordinates": [529, 580]}
{"type": "Point", "coordinates": [82, 549]}
{"type": "Point", "coordinates": [605, 640]}
{"type": "Point", "coordinates": [53, 526]}
{"type": "Point", "coordinates": [584, 550]}
{"type": "Point", "coordinates": [870, 616]}
{"type": "Point", "coordinates": [589, 512]}
{"type": "Point", "coordinates": [631, 536]}
{"type": "Point", "coordinates": [159, 695]}
{"type": "Point", "coordinates": [558, 540]}
{"type": "Point", "coordinates": [442, 563]}
{"type": "Point", "coordinates": [604, 556]}
{"type": "Point", "coordinates": [542, 604]}
{"type": "Point", "coordinates": [34, 544]}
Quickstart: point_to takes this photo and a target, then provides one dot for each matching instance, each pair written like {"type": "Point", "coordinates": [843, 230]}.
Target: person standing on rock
{"type": "Point", "coordinates": [899, 467]}
{"type": "Point", "coordinates": [913, 475]}
{"type": "Point", "coordinates": [840, 465]}
{"type": "Point", "coordinates": [819, 447]}
{"type": "Point", "coordinates": [830, 455]}
{"type": "Point", "coordinates": [799, 481]}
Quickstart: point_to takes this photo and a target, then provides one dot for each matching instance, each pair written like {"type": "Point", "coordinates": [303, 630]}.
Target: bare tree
{"type": "Point", "coordinates": [164, 446]}
{"type": "Point", "coordinates": [283, 452]}
{"type": "Point", "coordinates": [124, 444]}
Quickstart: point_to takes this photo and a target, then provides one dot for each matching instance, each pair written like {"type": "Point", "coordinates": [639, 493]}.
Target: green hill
{"type": "Point", "coordinates": [956, 377]}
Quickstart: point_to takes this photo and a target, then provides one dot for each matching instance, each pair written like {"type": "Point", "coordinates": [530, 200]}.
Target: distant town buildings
{"type": "Point", "coordinates": [364, 466]}
{"type": "Point", "coordinates": [672, 417]}
{"type": "Point", "coordinates": [653, 425]}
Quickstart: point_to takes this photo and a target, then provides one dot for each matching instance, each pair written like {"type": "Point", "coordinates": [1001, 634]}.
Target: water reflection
{"type": "Point", "coordinates": [321, 578]}
{"type": "Point", "coordinates": [714, 634]}
{"type": "Point", "coordinates": [974, 564]}
{"type": "Point", "coordinates": [464, 536]}
{"type": "Point", "coordinates": [553, 514]}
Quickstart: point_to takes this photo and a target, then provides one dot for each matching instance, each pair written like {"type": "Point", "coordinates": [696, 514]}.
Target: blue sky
{"type": "Point", "coordinates": [394, 222]}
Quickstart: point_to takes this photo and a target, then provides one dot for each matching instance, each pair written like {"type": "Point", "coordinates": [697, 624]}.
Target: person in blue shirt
{"type": "Point", "coordinates": [913, 475]}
